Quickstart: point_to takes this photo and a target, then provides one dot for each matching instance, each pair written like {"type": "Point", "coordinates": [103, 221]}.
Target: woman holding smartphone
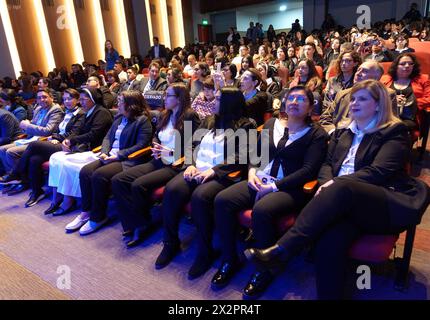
{"type": "Point", "coordinates": [132, 188]}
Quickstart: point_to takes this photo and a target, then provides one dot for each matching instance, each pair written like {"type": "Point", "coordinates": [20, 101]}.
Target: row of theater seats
{"type": "Point", "coordinates": [368, 248]}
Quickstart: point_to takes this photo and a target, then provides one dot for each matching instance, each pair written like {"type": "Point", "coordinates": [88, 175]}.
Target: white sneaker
{"type": "Point", "coordinates": [76, 224]}
{"type": "Point", "coordinates": [92, 226]}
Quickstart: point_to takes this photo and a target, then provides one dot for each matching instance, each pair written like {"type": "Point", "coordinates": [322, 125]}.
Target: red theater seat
{"type": "Point", "coordinates": [373, 248]}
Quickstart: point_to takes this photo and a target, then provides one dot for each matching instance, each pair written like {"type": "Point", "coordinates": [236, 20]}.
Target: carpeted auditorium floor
{"type": "Point", "coordinates": [34, 250]}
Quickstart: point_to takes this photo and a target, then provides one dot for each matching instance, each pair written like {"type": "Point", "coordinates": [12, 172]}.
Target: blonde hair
{"type": "Point", "coordinates": [384, 114]}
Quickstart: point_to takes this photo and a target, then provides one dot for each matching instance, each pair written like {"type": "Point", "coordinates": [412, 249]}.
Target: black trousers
{"type": "Point", "coordinates": [29, 167]}
{"type": "Point", "coordinates": [238, 197]}
{"type": "Point", "coordinates": [132, 190]}
{"type": "Point", "coordinates": [331, 259]}
{"type": "Point", "coordinates": [95, 181]}
{"type": "Point", "coordinates": [177, 194]}
{"type": "Point", "coordinates": [334, 219]}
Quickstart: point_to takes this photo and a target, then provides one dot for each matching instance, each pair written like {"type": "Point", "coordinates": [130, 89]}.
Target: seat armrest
{"type": "Point", "coordinates": [310, 187]}
{"type": "Point", "coordinates": [140, 153]}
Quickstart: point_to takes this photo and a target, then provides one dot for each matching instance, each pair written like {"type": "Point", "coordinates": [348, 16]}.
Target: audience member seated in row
{"type": "Point", "coordinates": [205, 178]}
{"type": "Point", "coordinates": [336, 114]}
{"type": "Point", "coordinates": [270, 83]}
{"type": "Point", "coordinates": [307, 75]}
{"type": "Point", "coordinates": [12, 102]}
{"type": "Point", "coordinates": [201, 71]}
{"type": "Point", "coordinates": [229, 73]}
{"type": "Point", "coordinates": [204, 104]}
{"type": "Point", "coordinates": [130, 132]}
{"type": "Point", "coordinates": [345, 67]}
{"type": "Point", "coordinates": [366, 191]}
{"type": "Point", "coordinates": [9, 127]}
{"type": "Point", "coordinates": [297, 148]}
{"type": "Point", "coordinates": [47, 117]}
{"type": "Point", "coordinates": [64, 166]}
{"type": "Point", "coordinates": [154, 82]}
{"type": "Point", "coordinates": [133, 187]}
{"type": "Point", "coordinates": [402, 45]}
{"type": "Point", "coordinates": [108, 99]}
{"type": "Point", "coordinates": [411, 86]}
{"type": "Point", "coordinates": [28, 170]}
{"type": "Point", "coordinates": [113, 83]}
{"type": "Point", "coordinates": [257, 103]}
{"type": "Point", "coordinates": [132, 83]}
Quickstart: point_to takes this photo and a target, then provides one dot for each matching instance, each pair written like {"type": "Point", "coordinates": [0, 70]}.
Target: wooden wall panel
{"type": "Point", "coordinates": [89, 31]}
{"type": "Point", "coordinates": [173, 27]}
{"type": "Point", "coordinates": [63, 43]}
{"type": "Point", "coordinates": [157, 23]}
{"type": "Point", "coordinates": [28, 37]}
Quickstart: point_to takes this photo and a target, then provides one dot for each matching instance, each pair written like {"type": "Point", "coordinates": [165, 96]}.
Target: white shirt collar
{"type": "Point", "coordinates": [353, 127]}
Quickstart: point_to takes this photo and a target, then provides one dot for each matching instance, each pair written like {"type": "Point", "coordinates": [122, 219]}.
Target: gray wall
{"type": "Point", "coordinates": [345, 11]}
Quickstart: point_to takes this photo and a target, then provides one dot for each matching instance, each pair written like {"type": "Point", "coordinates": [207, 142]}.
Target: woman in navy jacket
{"type": "Point", "coordinates": [364, 189]}
{"type": "Point", "coordinates": [130, 132]}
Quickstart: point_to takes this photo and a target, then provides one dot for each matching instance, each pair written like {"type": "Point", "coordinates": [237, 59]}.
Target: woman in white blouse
{"type": "Point", "coordinates": [364, 189]}
{"type": "Point", "coordinates": [200, 182]}
{"type": "Point", "coordinates": [133, 187]}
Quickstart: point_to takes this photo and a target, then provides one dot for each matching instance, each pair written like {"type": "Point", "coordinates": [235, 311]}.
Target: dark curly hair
{"type": "Point", "coordinates": [416, 70]}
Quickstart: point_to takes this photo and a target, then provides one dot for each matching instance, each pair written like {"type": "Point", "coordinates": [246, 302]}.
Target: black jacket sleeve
{"type": "Point", "coordinates": [313, 159]}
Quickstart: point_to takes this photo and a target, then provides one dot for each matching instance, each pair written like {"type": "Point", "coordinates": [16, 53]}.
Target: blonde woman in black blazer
{"type": "Point", "coordinates": [364, 189]}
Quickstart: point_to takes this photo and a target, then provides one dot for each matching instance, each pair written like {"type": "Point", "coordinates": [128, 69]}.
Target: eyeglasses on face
{"type": "Point", "coordinates": [299, 99]}
{"type": "Point", "coordinates": [410, 63]}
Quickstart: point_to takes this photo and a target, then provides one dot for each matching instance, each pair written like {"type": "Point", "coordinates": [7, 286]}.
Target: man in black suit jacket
{"type": "Point", "coordinates": [158, 51]}
{"type": "Point", "coordinates": [132, 83]}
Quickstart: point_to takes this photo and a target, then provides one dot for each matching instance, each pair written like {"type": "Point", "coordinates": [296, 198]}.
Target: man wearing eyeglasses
{"type": "Point", "coordinates": [154, 82]}
{"type": "Point", "coordinates": [336, 114]}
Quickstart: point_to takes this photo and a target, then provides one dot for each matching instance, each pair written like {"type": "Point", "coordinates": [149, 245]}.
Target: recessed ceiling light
{"type": "Point", "coordinates": [283, 8]}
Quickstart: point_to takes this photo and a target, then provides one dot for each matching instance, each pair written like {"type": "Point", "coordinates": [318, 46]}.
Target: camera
{"type": "Point", "coordinates": [369, 43]}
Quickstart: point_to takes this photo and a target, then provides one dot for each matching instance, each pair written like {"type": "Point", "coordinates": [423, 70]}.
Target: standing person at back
{"type": "Point", "coordinates": [111, 55]}
{"type": "Point", "coordinates": [158, 51]}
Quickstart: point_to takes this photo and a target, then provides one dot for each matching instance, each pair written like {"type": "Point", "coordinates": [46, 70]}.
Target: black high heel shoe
{"type": "Point", "coordinates": [52, 208]}
{"type": "Point", "coordinates": [139, 235]}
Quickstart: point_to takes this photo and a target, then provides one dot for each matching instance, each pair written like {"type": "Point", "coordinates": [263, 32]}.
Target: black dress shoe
{"type": "Point", "coordinates": [10, 179]}
{"type": "Point", "coordinates": [60, 211]}
{"type": "Point", "coordinates": [7, 188]}
{"type": "Point", "coordinates": [139, 235]}
{"type": "Point", "coordinates": [169, 251]}
{"type": "Point", "coordinates": [52, 208]}
{"type": "Point", "coordinates": [257, 285]}
{"type": "Point", "coordinates": [224, 274]}
{"type": "Point", "coordinates": [201, 265]}
{"type": "Point", "coordinates": [269, 258]}
{"type": "Point", "coordinates": [34, 199]}
{"type": "Point", "coordinates": [127, 233]}
{"type": "Point", "coordinates": [17, 188]}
